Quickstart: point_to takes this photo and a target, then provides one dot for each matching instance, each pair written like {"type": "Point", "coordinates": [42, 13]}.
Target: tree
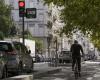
{"type": "Point", "coordinates": [5, 20]}
{"type": "Point", "coordinates": [83, 15]}
{"type": "Point", "coordinates": [1, 36]}
{"type": "Point", "coordinates": [13, 31]}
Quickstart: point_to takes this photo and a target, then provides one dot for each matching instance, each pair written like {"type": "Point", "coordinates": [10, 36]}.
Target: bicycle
{"type": "Point", "coordinates": [76, 71]}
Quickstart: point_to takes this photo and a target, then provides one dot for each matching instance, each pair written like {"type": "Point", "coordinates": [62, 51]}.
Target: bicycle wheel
{"type": "Point", "coordinates": [76, 75]}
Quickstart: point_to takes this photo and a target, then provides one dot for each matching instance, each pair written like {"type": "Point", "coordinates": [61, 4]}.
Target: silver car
{"type": "Point", "coordinates": [18, 57]}
{"type": "Point", "coordinates": [3, 68]}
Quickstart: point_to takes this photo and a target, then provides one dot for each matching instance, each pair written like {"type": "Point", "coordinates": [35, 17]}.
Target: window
{"type": "Point", "coordinates": [31, 0]}
{"type": "Point", "coordinates": [17, 46]}
{"type": "Point", "coordinates": [41, 25]}
{"type": "Point", "coordinates": [31, 25]}
{"type": "Point", "coordinates": [37, 0]}
{"type": "Point", "coordinates": [11, 2]}
{"type": "Point", "coordinates": [24, 49]}
{"type": "Point", "coordinates": [41, 16]}
{"type": "Point", "coordinates": [5, 47]}
{"type": "Point", "coordinates": [21, 48]}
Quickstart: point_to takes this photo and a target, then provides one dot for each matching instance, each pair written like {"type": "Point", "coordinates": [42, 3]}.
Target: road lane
{"type": "Point", "coordinates": [89, 72]}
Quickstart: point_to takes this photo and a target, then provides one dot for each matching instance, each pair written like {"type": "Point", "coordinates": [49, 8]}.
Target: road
{"type": "Point", "coordinates": [90, 71]}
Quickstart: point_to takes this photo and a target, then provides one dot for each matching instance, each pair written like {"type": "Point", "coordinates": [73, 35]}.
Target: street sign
{"type": "Point", "coordinates": [31, 12]}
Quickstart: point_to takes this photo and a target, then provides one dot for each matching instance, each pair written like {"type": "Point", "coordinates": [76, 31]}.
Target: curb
{"type": "Point", "coordinates": [20, 77]}
{"type": "Point", "coordinates": [36, 74]}
{"type": "Point", "coordinates": [39, 74]}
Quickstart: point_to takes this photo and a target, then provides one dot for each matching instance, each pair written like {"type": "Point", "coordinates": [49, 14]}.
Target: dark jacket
{"type": "Point", "coordinates": [76, 49]}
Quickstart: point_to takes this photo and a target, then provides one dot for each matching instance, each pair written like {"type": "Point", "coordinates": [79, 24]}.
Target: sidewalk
{"type": "Point", "coordinates": [40, 69]}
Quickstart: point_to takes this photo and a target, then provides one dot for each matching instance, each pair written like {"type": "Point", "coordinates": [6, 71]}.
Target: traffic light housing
{"type": "Point", "coordinates": [21, 8]}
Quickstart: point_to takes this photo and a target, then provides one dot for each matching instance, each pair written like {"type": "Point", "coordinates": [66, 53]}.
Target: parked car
{"type": "Point", "coordinates": [3, 68]}
{"type": "Point", "coordinates": [18, 57]}
{"type": "Point", "coordinates": [64, 57]}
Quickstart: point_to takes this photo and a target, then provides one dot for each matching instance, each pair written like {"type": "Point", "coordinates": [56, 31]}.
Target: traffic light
{"type": "Point", "coordinates": [21, 8]}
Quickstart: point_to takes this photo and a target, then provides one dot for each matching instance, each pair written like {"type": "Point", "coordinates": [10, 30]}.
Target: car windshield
{"type": "Point", "coordinates": [5, 46]}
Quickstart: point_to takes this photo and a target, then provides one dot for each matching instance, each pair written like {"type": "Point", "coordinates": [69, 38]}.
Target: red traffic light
{"type": "Point", "coordinates": [21, 3]}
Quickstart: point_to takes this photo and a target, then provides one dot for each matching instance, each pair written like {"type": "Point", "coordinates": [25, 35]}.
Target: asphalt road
{"type": "Point", "coordinates": [90, 71]}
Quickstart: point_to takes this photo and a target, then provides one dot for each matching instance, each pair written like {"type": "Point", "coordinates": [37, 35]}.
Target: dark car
{"type": "Point", "coordinates": [17, 56]}
{"type": "Point", "coordinates": [64, 57]}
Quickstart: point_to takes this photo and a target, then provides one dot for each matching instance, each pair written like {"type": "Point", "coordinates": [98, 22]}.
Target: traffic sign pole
{"type": "Point", "coordinates": [21, 4]}
{"type": "Point", "coordinates": [23, 37]}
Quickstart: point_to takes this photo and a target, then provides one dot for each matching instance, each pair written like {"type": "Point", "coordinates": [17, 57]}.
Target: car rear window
{"type": "Point", "coordinates": [5, 46]}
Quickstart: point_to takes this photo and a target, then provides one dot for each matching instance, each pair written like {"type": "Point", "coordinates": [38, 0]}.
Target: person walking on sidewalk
{"type": "Point", "coordinates": [76, 50]}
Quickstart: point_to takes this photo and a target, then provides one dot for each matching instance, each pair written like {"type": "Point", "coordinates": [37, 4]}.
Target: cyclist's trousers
{"type": "Point", "coordinates": [78, 59]}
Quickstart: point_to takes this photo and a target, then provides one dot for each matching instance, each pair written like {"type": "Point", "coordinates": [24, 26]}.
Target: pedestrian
{"type": "Point", "coordinates": [76, 50]}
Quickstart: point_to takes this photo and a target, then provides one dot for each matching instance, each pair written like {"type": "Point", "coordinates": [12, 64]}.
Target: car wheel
{"type": "Point", "coordinates": [5, 73]}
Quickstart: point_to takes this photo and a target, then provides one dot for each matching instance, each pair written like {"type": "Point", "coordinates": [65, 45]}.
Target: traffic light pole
{"type": "Point", "coordinates": [21, 4]}
{"type": "Point", "coordinates": [23, 38]}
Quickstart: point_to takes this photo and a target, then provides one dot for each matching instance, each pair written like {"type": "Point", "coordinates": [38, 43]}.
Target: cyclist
{"type": "Point", "coordinates": [76, 55]}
